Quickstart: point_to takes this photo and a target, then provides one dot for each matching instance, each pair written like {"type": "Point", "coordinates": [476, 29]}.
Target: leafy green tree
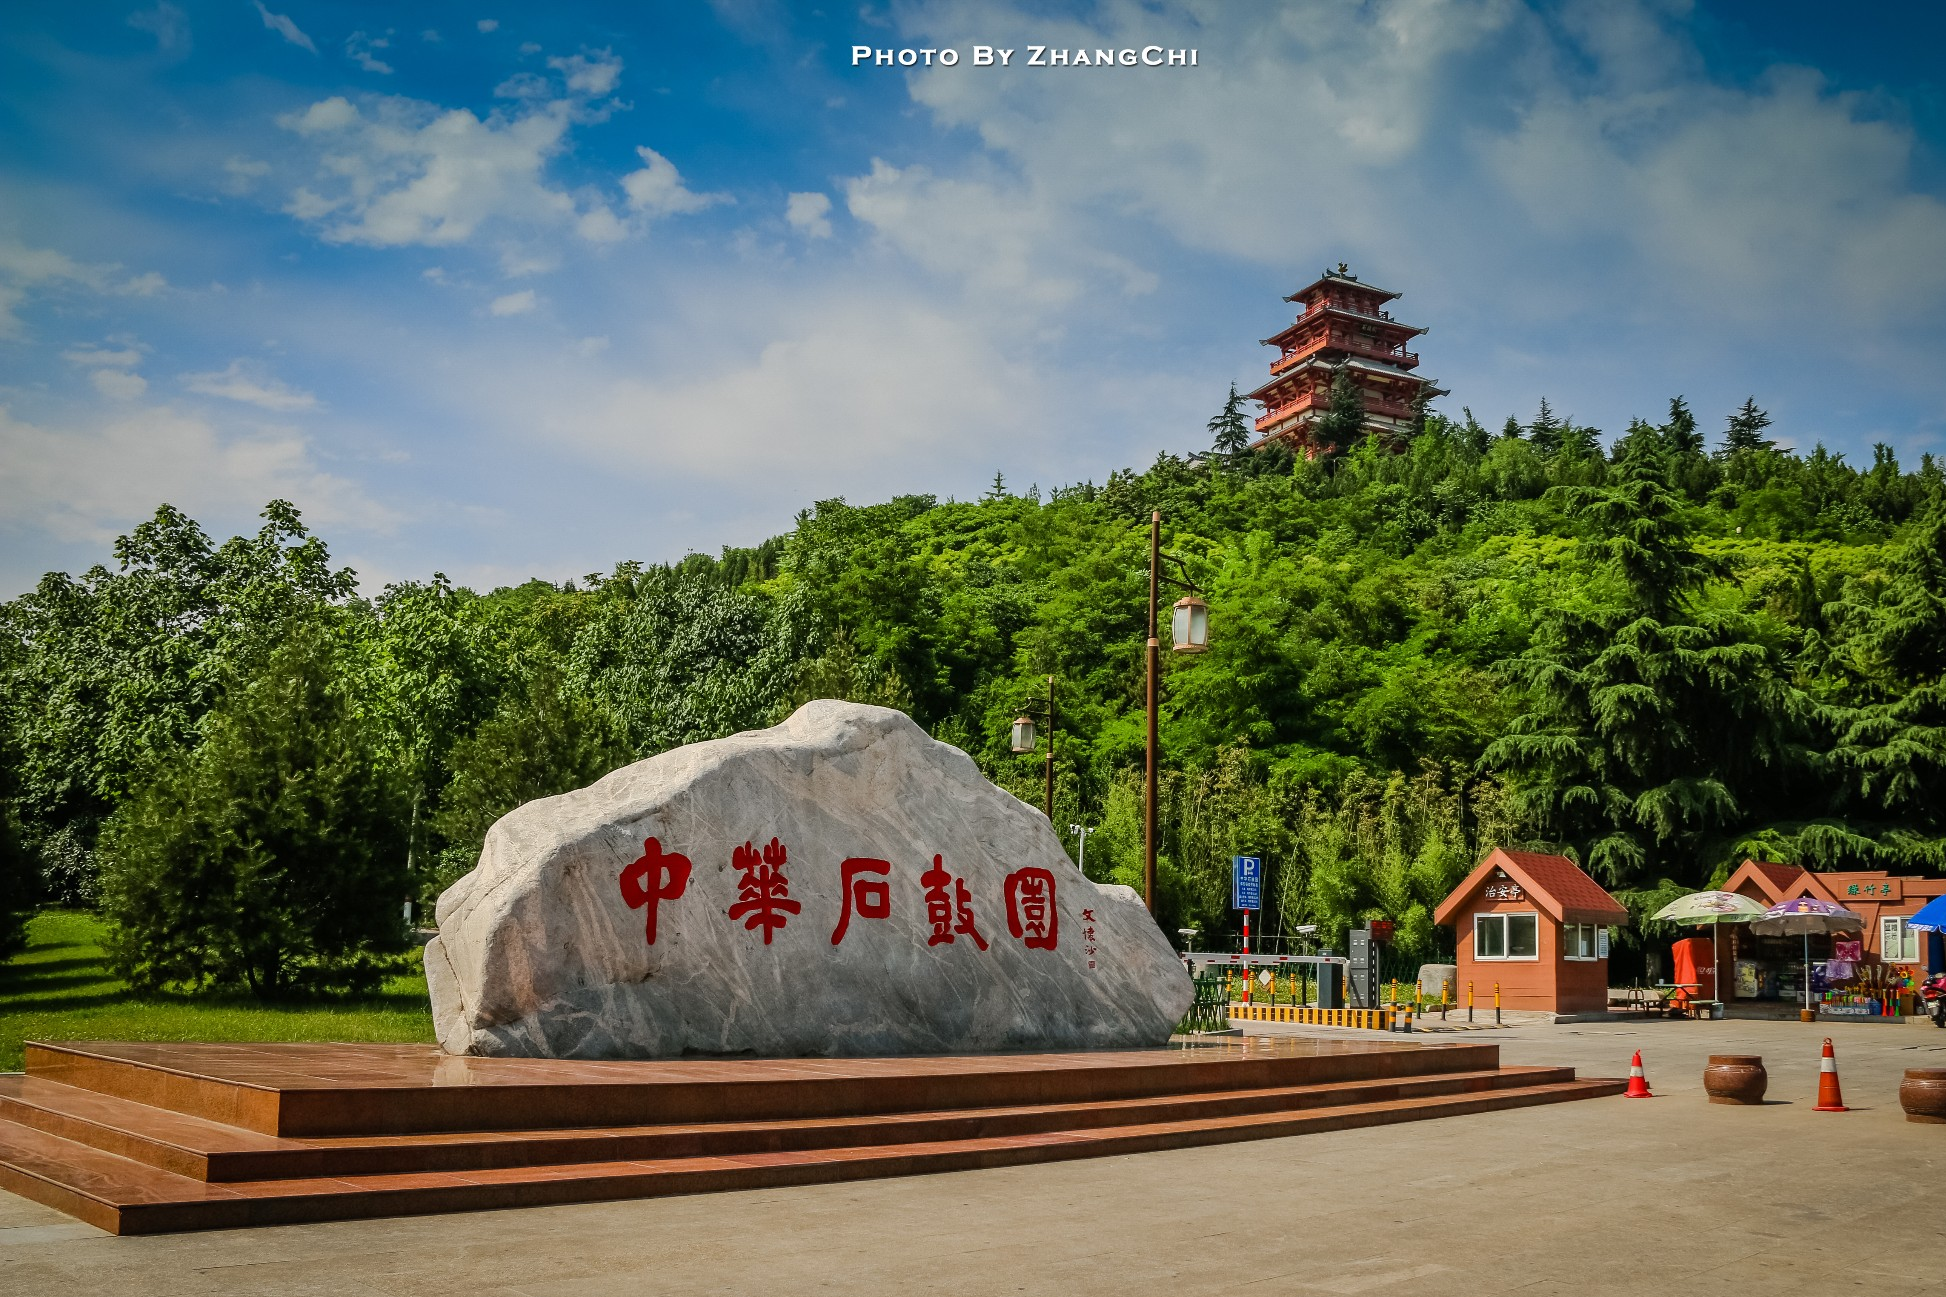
{"type": "Point", "coordinates": [119, 666]}
{"type": "Point", "coordinates": [541, 740]}
{"type": "Point", "coordinates": [1230, 431]}
{"type": "Point", "coordinates": [19, 872]}
{"type": "Point", "coordinates": [272, 854]}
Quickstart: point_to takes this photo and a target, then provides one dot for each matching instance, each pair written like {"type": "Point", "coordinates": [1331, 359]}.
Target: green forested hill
{"type": "Point", "coordinates": [1654, 658]}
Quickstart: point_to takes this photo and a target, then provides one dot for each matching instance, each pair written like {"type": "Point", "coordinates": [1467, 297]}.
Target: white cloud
{"type": "Point", "coordinates": [87, 481]}
{"type": "Point", "coordinates": [488, 24]}
{"type": "Point", "coordinates": [657, 189]}
{"type": "Point", "coordinates": [808, 212]}
{"type": "Point", "coordinates": [283, 26]}
{"type": "Point", "coordinates": [25, 271]}
{"type": "Point", "coordinates": [167, 23]}
{"type": "Point", "coordinates": [101, 357]}
{"type": "Point", "coordinates": [838, 375]}
{"type": "Point", "coordinates": [118, 384]}
{"type": "Point", "coordinates": [1750, 201]}
{"type": "Point", "coordinates": [1002, 240]}
{"type": "Point", "coordinates": [397, 172]}
{"type": "Point", "coordinates": [599, 224]}
{"type": "Point", "coordinates": [529, 47]}
{"type": "Point", "coordinates": [251, 384]}
{"type": "Point", "coordinates": [333, 114]}
{"type": "Point", "coordinates": [593, 75]}
{"type": "Point", "coordinates": [1567, 172]}
{"type": "Point", "coordinates": [363, 50]}
{"type": "Point", "coordinates": [524, 85]}
{"type": "Point", "coordinates": [412, 174]}
{"type": "Point", "coordinates": [514, 303]}
{"type": "Point", "coordinates": [430, 36]}
{"type": "Point", "coordinates": [242, 174]}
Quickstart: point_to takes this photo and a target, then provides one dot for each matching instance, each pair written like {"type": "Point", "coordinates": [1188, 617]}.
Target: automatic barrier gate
{"type": "Point", "coordinates": [1320, 1002]}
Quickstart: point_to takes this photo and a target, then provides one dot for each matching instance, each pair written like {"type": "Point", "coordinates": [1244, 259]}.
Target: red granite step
{"type": "Point", "coordinates": [128, 1196]}
{"type": "Point", "coordinates": [296, 1090]}
{"type": "Point", "coordinates": [206, 1150]}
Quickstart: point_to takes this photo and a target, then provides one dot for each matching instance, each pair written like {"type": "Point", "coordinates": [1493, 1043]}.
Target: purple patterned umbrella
{"type": "Point", "coordinates": [1801, 916]}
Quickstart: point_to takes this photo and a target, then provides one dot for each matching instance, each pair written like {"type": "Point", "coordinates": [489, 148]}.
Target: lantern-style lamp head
{"type": "Point", "coordinates": [1023, 733]}
{"type": "Point", "coordinates": [1189, 628]}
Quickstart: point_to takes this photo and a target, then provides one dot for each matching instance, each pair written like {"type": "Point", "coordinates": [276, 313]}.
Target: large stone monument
{"type": "Point", "coordinates": [838, 884]}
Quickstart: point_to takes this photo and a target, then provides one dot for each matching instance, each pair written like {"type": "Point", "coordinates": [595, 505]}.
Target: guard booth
{"type": "Point", "coordinates": [1538, 926]}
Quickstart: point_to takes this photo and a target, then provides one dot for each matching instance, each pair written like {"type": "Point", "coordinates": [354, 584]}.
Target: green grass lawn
{"type": "Point", "coordinates": [60, 988]}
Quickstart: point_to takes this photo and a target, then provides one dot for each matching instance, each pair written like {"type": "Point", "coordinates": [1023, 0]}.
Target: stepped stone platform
{"type": "Point", "coordinates": [150, 1138]}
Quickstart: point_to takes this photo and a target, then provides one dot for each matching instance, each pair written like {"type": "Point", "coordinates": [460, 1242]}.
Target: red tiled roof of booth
{"type": "Point", "coordinates": [1560, 887]}
{"type": "Point", "coordinates": [1580, 897]}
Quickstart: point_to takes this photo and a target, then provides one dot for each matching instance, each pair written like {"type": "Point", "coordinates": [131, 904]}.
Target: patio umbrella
{"type": "Point", "coordinates": [1801, 916]}
{"type": "Point", "coordinates": [1712, 908]}
{"type": "Point", "coordinates": [1931, 916]}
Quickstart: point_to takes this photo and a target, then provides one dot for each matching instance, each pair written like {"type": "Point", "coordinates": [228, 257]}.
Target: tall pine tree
{"type": "Point", "coordinates": [1230, 431]}
{"type": "Point", "coordinates": [1746, 430]}
{"type": "Point", "coordinates": [1343, 424]}
{"type": "Point", "coordinates": [1655, 734]}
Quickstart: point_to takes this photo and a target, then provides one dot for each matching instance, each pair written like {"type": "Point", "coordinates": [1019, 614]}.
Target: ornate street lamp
{"type": "Point", "coordinates": [1189, 627]}
{"type": "Point", "coordinates": [1023, 742]}
{"type": "Point", "coordinates": [1191, 635]}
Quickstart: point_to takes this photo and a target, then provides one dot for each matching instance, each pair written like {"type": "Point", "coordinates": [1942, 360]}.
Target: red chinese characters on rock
{"type": "Point", "coordinates": [652, 879]}
{"type": "Point", "coordinates": [1088, 935]}
{"type": "Point", "coordinates": [1031, 916]}
{"type": "Point", "coordinates": [950, 915]}
{"type": "Point", "coordinates": [763, 894]}
{"type": "Point", "coordinates": [870, 897]}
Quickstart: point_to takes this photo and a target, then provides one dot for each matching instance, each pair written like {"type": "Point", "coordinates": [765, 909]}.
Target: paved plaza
{"type": "Point", "coordinates": [1604, 1196]}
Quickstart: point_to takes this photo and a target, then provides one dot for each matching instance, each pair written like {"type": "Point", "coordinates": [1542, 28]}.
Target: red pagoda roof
{"type": "Point", "coordinates": [1342, 279]}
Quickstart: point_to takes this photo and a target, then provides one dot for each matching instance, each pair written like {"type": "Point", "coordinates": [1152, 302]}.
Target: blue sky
{"type": "Point", "coordinates": [507, 292]}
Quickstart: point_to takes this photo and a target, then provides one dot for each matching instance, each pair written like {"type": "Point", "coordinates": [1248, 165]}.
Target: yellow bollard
{"type": "Point", "coordinates": [1469, 1001]}
{"type": "Point", "coordinates": [1496, 1004]}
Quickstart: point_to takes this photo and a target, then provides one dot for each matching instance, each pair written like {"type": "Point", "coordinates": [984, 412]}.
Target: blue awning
{"type": "Point", "coordinates": [1931, 916]}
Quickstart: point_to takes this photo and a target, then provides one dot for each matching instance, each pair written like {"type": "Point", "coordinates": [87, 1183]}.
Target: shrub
{"type": "Point", "coordinates": [271, 854]}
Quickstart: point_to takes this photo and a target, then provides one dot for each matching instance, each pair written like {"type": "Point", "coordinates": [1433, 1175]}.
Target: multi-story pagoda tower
{"type": "Point", "coordinates": [1343, 327]}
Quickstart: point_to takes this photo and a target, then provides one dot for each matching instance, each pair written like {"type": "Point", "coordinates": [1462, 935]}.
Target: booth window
{"type": "Point", "coordinates": [1579, 941]}
{"type": "Point", "coordinates": [1897, 943]}
{"type": "Point", "coordinates": [1506, 936]}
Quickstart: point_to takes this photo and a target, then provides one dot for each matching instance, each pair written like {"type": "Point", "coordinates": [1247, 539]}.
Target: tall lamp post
{"type": "Point", "coordinates": [1189, 632]}
{"type": "Point", "coordinates": [1024, 738]}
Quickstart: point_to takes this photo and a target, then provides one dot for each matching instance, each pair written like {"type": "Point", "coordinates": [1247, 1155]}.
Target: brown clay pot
{"type": "Point", "coordinates": [1923, 1094]}
{"type": "Point", "coordinates": [1736, 1078]}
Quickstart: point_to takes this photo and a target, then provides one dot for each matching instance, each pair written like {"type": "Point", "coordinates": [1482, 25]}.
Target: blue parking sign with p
{"type": "Point", "coordinates": [1246, 882]}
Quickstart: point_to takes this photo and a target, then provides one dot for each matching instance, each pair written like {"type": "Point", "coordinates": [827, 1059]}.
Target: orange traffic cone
{"type": "Point", "coordinates": [1830, 1097]}
{"type": "Point", "coordinates": [1638, 1084]}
